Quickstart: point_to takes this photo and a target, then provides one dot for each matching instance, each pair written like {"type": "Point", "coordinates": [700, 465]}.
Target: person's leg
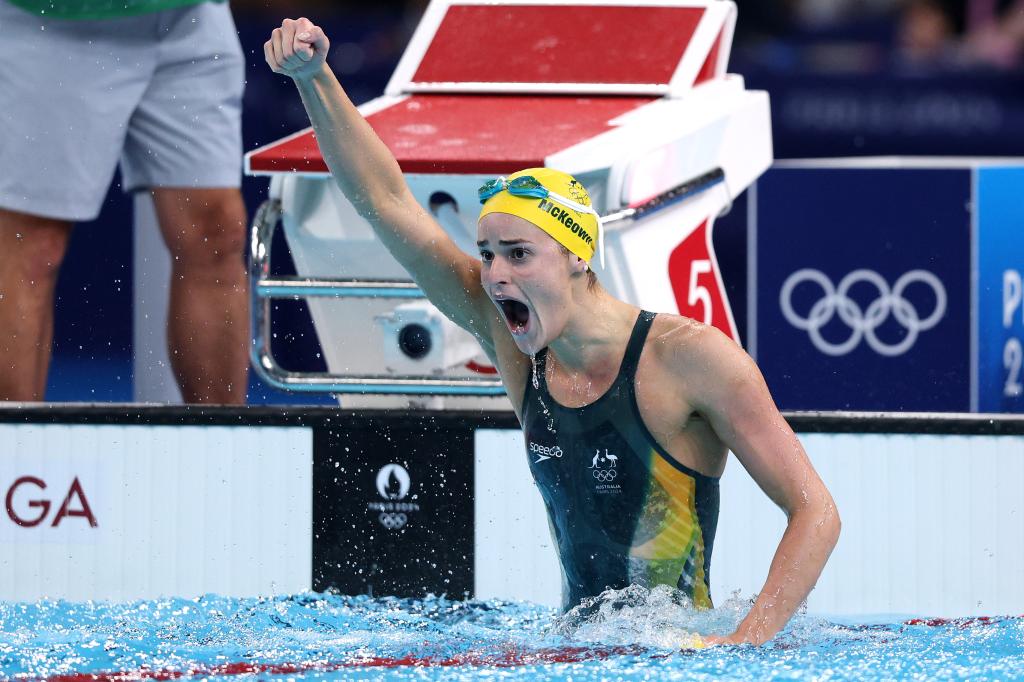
{"type": "Point", "coordinates": [184, 143]}
{"type": "Point", "coordinates": [31, 251]}
{"type": "Point", "coordinates": [65, 97]}
{"type": "Point", "coordinates": [208, 315]}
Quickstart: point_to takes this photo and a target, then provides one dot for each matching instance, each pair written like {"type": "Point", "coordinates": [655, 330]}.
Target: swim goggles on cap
{"type": "Point", "coordinates": [529, 186]}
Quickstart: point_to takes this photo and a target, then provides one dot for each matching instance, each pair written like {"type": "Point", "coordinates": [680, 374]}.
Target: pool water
{"type": "Point", "coordinates": [631, 634]}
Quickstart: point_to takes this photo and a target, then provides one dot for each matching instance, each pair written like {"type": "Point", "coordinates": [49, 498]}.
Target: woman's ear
{"type": "Point", "coordinates": [579, 265]}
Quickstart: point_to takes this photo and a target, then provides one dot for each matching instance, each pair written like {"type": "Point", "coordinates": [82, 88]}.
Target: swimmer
{"type": "Point", "coordinates": [628, 415]}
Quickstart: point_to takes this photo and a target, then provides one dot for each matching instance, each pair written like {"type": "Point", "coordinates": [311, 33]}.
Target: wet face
{"type": "Point", "coordinates": [528, 276]}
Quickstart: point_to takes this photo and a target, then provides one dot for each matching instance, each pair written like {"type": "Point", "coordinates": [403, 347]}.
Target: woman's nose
{"type": "Point", "coordinates": [496, 272]}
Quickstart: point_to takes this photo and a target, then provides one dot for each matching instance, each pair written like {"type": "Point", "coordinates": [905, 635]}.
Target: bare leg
{"type": "Point", "coordinates": [208, 316]}
{"type": "Point", "coordinates": [31, 251]}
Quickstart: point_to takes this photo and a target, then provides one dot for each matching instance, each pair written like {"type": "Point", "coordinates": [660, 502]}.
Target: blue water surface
{"type": "Point", "coordinates": [631, 634]}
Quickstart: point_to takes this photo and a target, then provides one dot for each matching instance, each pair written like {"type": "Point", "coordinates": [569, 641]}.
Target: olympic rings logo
{"type": "Point", "coordinates": [392, 520]}
{"type": "Point", "coordinates": [862, 323]}
{"type": "Point", "coordinates": [605, 475]}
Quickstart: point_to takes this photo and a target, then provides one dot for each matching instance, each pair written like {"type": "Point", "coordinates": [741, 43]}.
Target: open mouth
{"type": "Point", "coordinates": [517, 315]}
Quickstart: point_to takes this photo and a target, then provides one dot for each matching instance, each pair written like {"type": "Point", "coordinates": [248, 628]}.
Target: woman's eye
{"type": "Point", "coordinates": [486, 256]}
{"type": "Point", "coordinates": [518, 254]}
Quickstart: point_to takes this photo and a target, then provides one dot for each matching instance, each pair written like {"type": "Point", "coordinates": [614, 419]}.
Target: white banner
{"type": "Point", "coordinates": [134, 512]}
{"type": "Point", "coordinates": [932, 526]}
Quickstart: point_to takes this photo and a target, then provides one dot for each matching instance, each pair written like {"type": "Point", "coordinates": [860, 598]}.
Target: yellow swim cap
{"type": "Point", "coordinates": [576, 230]}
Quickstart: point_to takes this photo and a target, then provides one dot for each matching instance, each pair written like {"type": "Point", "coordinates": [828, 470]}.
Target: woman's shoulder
{"type": "Point", "coordinates": [680, 344]}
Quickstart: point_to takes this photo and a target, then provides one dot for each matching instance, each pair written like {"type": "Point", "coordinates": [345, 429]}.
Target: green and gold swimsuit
{"type": "Point", "coordinates": [622, 511]}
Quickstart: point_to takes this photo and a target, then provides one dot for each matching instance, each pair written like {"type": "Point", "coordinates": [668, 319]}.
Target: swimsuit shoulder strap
{"type": "Point", "coordinates": [636, 344]}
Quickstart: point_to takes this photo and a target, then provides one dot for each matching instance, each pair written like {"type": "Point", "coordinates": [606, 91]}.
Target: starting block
{"type": "Point", "coordinates": [634, 101]}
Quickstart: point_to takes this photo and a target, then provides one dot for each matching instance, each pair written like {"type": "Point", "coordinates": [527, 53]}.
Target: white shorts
{"type": "Point", "coordinates": [161, 92]}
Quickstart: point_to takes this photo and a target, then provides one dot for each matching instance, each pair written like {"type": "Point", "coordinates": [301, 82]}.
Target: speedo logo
{"type": "Point", "coordinates": [562, 216]}
{"type": "Point", "coordinates": [544, 452]}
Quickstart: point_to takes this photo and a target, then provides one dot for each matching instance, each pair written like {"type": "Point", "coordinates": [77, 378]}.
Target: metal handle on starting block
{"type": "Point", "coordinates": [266, 289]}
{"type": "Point", "coordinates": [680, 192]}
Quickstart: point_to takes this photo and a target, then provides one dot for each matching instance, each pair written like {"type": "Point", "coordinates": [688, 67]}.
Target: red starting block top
{"type": "Point", "coordinates": [490, 87]}
{"type": "Point", "coordinates": [564, 44]}
{"type": "Point", "coordinates": [465, 134]}
{"type": "Point", "coordinates": [567, 46]}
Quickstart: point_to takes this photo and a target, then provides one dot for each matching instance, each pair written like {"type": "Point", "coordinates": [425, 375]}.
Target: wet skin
{"type": "Point", "coordinates": [542, 294]}
{"type": "Point", "coordinates": [699, 393]}
{"type": "Point", "coordinates": [527, 276]}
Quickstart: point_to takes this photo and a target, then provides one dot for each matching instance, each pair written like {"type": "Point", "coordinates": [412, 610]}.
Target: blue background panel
{"type": "Point", "coordinates": [887, 221]}
{"type": "Point", "coordinates": [1000, 307]}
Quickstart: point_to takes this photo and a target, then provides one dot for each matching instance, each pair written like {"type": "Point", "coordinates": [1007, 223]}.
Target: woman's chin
{"type": "Point", "coordinates": [529, 341]}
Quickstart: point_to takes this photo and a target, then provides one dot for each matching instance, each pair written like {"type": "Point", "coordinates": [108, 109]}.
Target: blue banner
{"type": "Point", "coordinates": [1000, 290]}
{"type": "Point", "coordinates": [863, 288]}
{"type": "Point", "coordinates": [961, 113]}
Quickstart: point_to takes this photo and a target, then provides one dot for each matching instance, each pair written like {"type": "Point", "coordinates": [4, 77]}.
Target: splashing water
{"type": "Point", "coordinates": [548, 418]}
{"type": "Point", "coordinates": [662, 617]}
{"type": "Point", "coordinates": [630, 634]}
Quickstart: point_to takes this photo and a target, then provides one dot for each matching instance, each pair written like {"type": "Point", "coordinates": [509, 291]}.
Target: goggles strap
{"type": "Point", "coordinates": [502, 184]}
{"type": "Point", "coordinates": [575, 205]}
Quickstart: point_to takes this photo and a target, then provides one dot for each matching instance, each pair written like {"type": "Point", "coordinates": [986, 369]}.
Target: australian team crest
{"type": "Point", "coordinates": [604, 468]}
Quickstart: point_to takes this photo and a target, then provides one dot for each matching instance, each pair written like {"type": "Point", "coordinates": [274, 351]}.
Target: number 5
{"type": "Point", "coordinates": [698, 292]}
